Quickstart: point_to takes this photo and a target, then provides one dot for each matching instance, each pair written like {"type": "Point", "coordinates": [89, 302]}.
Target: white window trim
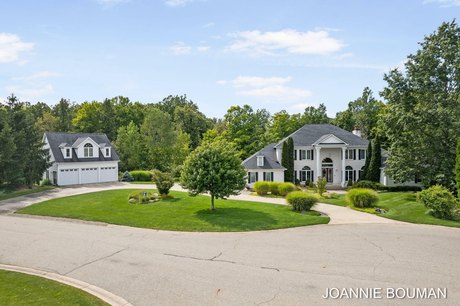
{"type": "Point", "coordinates": [260, 161]}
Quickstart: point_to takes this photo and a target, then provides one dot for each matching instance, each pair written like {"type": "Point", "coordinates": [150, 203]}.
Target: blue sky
{"type": "Point", "coordinates": [269, 54]}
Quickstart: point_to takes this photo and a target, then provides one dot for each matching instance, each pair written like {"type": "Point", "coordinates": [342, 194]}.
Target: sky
{"type": "Point", "coordinates": [268, 54]}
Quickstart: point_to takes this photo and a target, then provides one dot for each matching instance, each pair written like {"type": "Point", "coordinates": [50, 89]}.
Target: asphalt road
{"type": "Point", "coordinates": [280, 267]}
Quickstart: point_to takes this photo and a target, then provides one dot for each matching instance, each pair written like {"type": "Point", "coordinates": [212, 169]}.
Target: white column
{"type": "Point", "coordinates": [344, 149]}
{"type": "Point", "coordinates": [318, 163]}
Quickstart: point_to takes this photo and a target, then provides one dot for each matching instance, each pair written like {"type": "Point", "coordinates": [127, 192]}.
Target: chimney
{"type": "Point", "coordinates": [356, 131]}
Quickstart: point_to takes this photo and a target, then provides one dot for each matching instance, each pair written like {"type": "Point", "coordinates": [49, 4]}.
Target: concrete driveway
{"type": "Point", "coordinates": [280, 267]}
{"type": "Point", "coordinates": [338, 214]}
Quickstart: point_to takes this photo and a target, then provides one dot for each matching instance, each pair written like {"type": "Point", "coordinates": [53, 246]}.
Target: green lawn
{"type": "Point", "coordinates": [18, 289]}
{"type": "Point", "coordinates": [8, 192]}
{"type": "Point", "coordinates": [401, 206]}
{"type": "Point", "coordinates": [182, 213]}
{"type": "Point", "coordinates": [141, 183]}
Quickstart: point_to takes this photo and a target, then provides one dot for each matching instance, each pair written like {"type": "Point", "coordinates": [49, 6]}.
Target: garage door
{"type": "Point", "coordinates": [88, 175]}
{"type": "Point", "coordinates": [67, 177]}
{"type": "Point", "coordinates": [109, 174]}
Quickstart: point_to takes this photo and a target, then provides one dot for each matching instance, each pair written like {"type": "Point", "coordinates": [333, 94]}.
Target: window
{"type": "Point", "coordinates": [260, 161]}
{"type": "Point", "coordinates": [362, 154]}
{"type": "Point", "coordinates": [310, 154]}
{"type": "Point", "coordinates": [268, 176]}
{"type": "Point", "coordinates": [361, 173]}
{"type": "Point", "coordinates": [350, 154]}
{"type": "Point", "coordinates": [252, 177]}
{"type": "Point", "coordinates": [349, 174]}
{"type": "Point", "coordinates": [67, 152]}
{"type": "Point", "coordinates": [88, 150]}
{"type": "Point", "coordinates": [306, 174]}
{"type": "Point", "coordinates": [302, 154]}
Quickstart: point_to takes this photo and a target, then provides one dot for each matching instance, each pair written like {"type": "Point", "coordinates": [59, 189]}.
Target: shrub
{"type": "Point", "coordinates": [366, 184]}
{"type": "Point", "coordinates": [163, 180]}
{"type": "Point", "coordinates": [285, 188]}
{"type": "Point", "coordinates": [399, 188]}
{"type": "Point", "coordinates": [440, 200]}
{"type": "Point", "coordinates": [361, 197]}
{"type": "Point", "coordinates": [274, 188]}
{"type": "Point", "coordinates": [262, 188]}
{"type": "Point", "coordinates": [301, 201]}
{"type": "Point", "coordinates": [141, 175]}
{"type": "Point", "coordinates": [330, 195]}
{"type": "Point", "coordinates": [321, 185]}
{"type": "Point", "coordinates": [45, 182]}
{"type": "Point", "coordinates": [142, 197]}
{"type": "Point", "coordinates": [127, 177]}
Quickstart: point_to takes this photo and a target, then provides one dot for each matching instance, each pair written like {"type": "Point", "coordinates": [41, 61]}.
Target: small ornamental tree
{"type": "Point", "coordinates": [457, 168]}
{"type": "Point", "coordinates": [214, 167]}
{"type": "Point", "coordinates": [373, 172]}
{"type": "Point", "coordinates": [368, 160]}
{"type": "Point", "coordinates": [321, 185]}
{"type": "Point", "coordinates": [164, 181]}
{"type": "Point", "coordinates": [287, 160]}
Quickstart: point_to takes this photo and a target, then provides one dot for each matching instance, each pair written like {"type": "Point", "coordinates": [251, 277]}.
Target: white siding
{"type": "Point", "coordinates": [86, 172]}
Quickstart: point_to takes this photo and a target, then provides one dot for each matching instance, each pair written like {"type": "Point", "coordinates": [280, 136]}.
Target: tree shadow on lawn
{"type": "Point", "coordinates": [237, 218]}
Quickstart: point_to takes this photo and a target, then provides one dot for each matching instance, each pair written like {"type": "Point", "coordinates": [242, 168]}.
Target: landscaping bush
{"type": "Point", "coordinates": [366, 184]}
{"type": "Point", "coordinates": [439, 200]}
{"type": "Point", "coordinates": [127, 177]}
{"type": "Point", "coordinates": [141, 175]}
{"type": "Point", "coordinates": [361, 197]}
{"type": "Point", "coordinates": [302, 201]}
{"type": "Point", "coordinates": [330, 195]}
{"type": "Point", "coordinates": [142, 197]}
{"type": "Point", "coordinates": [274, 188]}
{"type": "Point", "coordinates": [399, 188]}
{"type": "Point", "coordinates": [163, 181]}
{"type": "Point", "coordinates": [45, 182]}
{"type": "Point", "coordinates": [285, 188]}
{"type": "Point", "coordinates": [262, 188]}
{"type": "Point", "coordinates": [321, 185]}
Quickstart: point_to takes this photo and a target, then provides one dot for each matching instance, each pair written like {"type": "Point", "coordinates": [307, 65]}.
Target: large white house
{"type": "Point", "coordinates": [319, 150]}
{"type": "Point", "coordinates": [80, 158]}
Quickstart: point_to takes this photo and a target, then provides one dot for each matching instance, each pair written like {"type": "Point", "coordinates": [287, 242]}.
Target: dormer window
{"type": "Point", "coordinates": [260, 161]}
{"type": "Point", "coordinates": [107, 152]}
{"type": "Point", "coordinates": [88, 150]}
{"type": "Point", "coordinates": [67, 153]}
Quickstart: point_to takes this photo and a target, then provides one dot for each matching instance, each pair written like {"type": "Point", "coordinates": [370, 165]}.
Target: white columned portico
{"type": "Point", "coordinates": [318, 163]}
{"type": "Point", "coordinates": [344, 149]}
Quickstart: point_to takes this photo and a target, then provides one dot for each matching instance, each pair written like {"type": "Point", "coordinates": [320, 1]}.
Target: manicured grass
{"type": "Point", "coordinates": [22, 289]}
{"type": "Point", "coordinates": [141, 183]}
{"type": "Point", "coordinates": [182, 213]}
{"type": "Point", "coordinates": [8, 192]}
{"type": "Point", "coordinates": [401, 206]}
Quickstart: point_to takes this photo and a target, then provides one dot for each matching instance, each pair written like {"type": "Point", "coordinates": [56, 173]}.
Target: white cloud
{"type": "Point", "coordinates": [288, 40]}
{"type": "Point", "coordinates": [11, 46]}
{"type": "Point", "coordinates": [444, 3]}
{"type": "Point", "coordinates": [203, 48]}
{"type": "Point", "coordinates": [39, 75]}
{"type": "Point", "coordinates": [174, 3]}
{"type": "Point", "coordinates": [30, 93]}
{"type": "Point", "coordinates": [273, 88]}
{"type": "Point", "coordinates": [181, 48]}
{"type": "Point", "coordinates": [209, 24]}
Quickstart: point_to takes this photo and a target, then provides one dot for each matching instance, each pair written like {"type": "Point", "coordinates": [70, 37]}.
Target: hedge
{"type": "Point", "coordinates": [141, 175]}
{"type": "Point", "coordinates": [262, 188]}
{"type": "Point", "coordinates": [361, 197]}
{"type": "Point", "coordinates": [302, 201]}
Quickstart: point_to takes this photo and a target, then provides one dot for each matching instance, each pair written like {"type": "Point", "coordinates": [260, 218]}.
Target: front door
{"type": "Point", "coordinates": [327, 173]}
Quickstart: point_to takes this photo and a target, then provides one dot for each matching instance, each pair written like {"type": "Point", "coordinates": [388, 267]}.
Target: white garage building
{"type": "Point", "coordinates": [80, 158]}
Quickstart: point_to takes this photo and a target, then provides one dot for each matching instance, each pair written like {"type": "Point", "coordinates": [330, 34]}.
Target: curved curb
{"type": "Point", "coordinates": [104, 295]}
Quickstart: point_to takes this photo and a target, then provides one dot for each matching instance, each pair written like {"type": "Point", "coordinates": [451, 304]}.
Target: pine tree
{"type": "Point", "coordinates": [287, 160]}
{"type": "Point", "coordinates": [365, 175]}
{"type": "Point", "coordinates": [457, 168]}
{"type": "Point", "coordinates": [376, 162]}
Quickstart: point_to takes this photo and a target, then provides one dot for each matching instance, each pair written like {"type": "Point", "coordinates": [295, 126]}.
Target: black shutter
{"type": "Point", "coordinates": [354, 151]}
{"type": "Point", "coordinates": [295, 154]}
{"type": "Point", "coordinates": [257, 176]}
{"type": "Point", "coordinates": [312, 176]}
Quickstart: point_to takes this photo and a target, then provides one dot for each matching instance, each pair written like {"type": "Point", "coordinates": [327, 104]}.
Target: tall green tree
{"type": "Point", "coordinates": [287, 159]}
{"type": "Point", "coordinates": [130, 148]}
{"type": "Point", "coordinates": [365, 174]}
{"type": "Point", "coordinates": [246, 128]}
{"type": "Point", "coordinates": [64, 112]}
{"type": "Point", "coordinates": [214, 168]}
{"type": "Point", "coordinates": [282, 124]}
{"type": "Point", "coordinates": [457, 168]}
{"type": "Point", "coordinates": [170, 103]}
{"type": "Point", "coordinates": [315, 115]}
{"type": "Point", "coordinates": [88, 118]}
{"type": "Point", "coordinates": [191, 121]}
{"type": "Point", "coordinates": [7, 149]}
{"type": "Point", "coordinates": [373, 171]}
{"type": "Point", "coordinates": [422, 119]}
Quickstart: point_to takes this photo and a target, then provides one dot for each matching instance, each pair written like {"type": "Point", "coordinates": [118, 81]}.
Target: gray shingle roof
{"type": "Point", "coordinates": [56, 139]}
{"type": "Point", "coordinates": [269, 155]}
{"type": "Point", "coordinates": [310, 133]}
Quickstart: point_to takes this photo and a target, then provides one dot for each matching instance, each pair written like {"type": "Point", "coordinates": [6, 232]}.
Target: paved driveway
{"type": "Point", "coordinates": [280, 267]}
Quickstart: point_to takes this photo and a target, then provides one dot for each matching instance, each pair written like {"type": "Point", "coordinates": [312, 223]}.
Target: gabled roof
{"type": "Point", "coordinates": [310, 134]}
{"type": "Point", "coordinates": [270, 161]}
{"type": "Point", "coordinates": [56, 139]}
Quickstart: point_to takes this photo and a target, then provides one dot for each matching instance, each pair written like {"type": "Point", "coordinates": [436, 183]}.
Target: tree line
{"type": "Point", "coordinates": [417, 123]}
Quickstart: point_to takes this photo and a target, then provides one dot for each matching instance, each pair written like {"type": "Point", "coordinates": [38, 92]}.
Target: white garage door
{"type": "Point", "coordinates": [67, 177]}
{"type": "Point", "coordinates": [88, 175]}
{"type": "Point", "coordinates": [109, 174]}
